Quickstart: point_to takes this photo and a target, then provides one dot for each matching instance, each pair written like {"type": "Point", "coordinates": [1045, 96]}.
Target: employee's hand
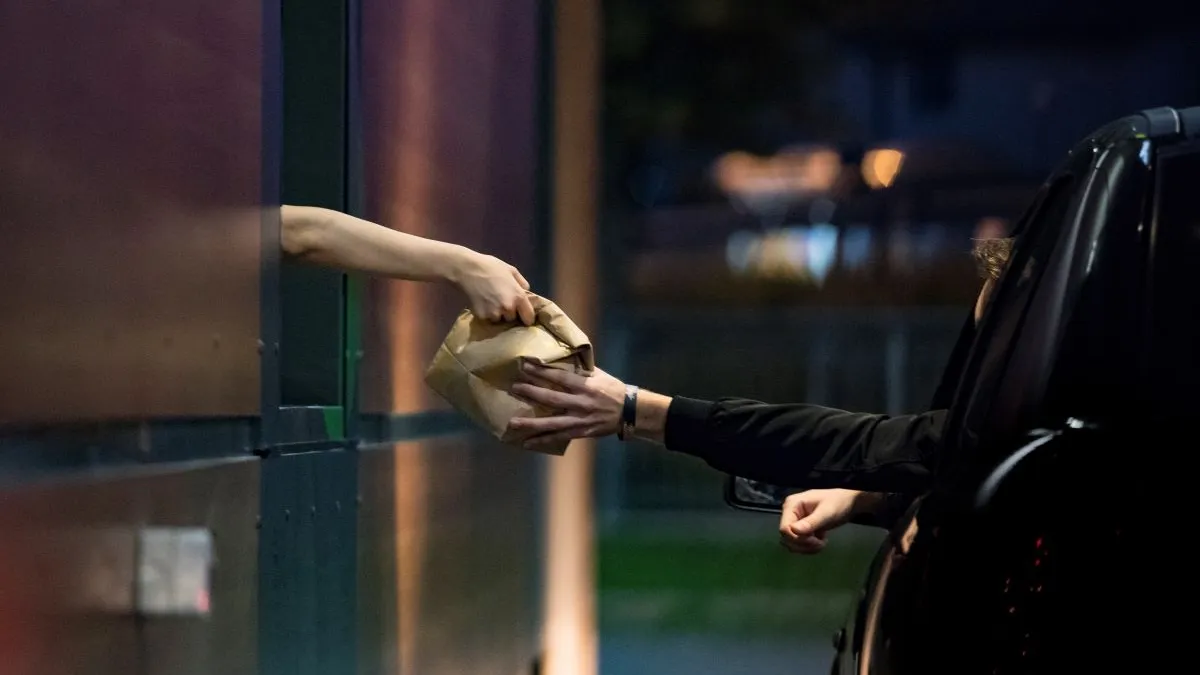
{"type": "Point", "coordinates": [495, 290]}
{"type": "Point", "coordinates": [589, 407]}
{"type": "Point", "coordinates": [808, 517]}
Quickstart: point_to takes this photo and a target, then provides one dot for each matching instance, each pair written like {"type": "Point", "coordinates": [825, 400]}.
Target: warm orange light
{"type": "Point", "coordinates": [801, 171]}
{"type": "Point", "coordinates": [780, 258]}
{"type": "Point", "coordinates": [879, 167]}
{"type": "Point", "coordinates": [410, 492]}
{"type": "Point", "coordinates": [410, 208]}
{"type": "Point", "coordinates": [734, 170]}
{"type": "Point", "coordinates": [570, 633]}
{"type": "Point", "coordinates": [820, 169]}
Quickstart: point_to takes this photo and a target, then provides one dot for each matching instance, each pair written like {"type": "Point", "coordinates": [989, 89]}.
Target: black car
{"type": "Point", "coordinates": [1054, 537]}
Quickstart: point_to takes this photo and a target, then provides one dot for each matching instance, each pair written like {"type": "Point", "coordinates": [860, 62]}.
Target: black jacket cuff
{"type": "Point", "coordinates": [687, 427]}
{"type": "Point", "coordinates": [887, 513]}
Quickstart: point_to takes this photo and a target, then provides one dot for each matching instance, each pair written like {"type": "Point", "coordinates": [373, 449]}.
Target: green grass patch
{"type": "Point", "coordinates": [668, 585]}
{"type": "Point", "coordinates": [628, 563]}
{"type": "Point", "coordinates": [779, 613]}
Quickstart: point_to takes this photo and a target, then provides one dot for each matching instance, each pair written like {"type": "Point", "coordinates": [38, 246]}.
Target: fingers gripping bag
{"type": "Point", "coordinates": [478, 362]}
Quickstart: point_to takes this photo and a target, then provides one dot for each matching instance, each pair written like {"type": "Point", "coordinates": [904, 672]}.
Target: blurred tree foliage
{"type": "Point", "coordinates": [717, 74]}
{"type": "Point", "coordinates": [706, 69]}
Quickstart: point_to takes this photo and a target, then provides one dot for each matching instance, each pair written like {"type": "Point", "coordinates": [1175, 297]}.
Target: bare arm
{"type": "Point", "coordinates": [651, 421]}
{"type": "Point", "coordinates": [330, 238]}
{"type": "Point", "coordinates": [335, 239]}
{"type": "Point", "coordinates": [594, 404]}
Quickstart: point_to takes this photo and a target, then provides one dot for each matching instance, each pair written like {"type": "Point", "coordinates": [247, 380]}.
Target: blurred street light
{"type": "Point", "coordinates": [789, 175]}
{"type": "Point", "coordinates": [880, 166]}
{"type": "Point", "coordinates": [802, 253]}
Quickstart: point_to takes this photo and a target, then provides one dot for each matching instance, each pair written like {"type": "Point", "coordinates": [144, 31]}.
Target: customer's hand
{"type": "Point", "coordinates": [808, 517]}
{"type": "Point", "coordinates": [589, 407]}
{"type": "Point", "coordinates": [495, 290]}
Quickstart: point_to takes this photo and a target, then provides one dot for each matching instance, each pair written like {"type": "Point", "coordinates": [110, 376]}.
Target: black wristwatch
{"type": "Point", "coordinates": [628, 414]}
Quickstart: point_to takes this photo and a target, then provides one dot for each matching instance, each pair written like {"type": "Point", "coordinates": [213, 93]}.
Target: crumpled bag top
{"type": "Point", "coordinates": [478, 362]}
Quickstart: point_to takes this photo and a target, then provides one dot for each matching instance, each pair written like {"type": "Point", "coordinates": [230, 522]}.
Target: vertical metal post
{"type": "Point", "coordinates": [611, 461]}
{"type": "Point", "coordinates": [570, 614]}
{"type": "Point", "coordinates": [308, 534]}
{"type": "Point", "coordinates": [896, 367]}
{"type": "Point", "coordinates": [543, 237]}
{"type": "Point", "coordinates": [882, 95]}
{"type": "Point", "coordinates": [352, 286]}
{"type": "Point", "coordinates": [821, 353]}
{"type": "Point", "coordinates": [272, 152]}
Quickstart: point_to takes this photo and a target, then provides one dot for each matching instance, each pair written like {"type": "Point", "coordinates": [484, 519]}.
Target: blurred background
{"type": "Point", "coordinates": [790, 191]}
{"type": "Point", "coordinates": [772, 199]}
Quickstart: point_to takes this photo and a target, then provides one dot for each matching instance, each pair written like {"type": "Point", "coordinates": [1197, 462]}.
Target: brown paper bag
{"type": "Point", "coordinates": [479, 360]}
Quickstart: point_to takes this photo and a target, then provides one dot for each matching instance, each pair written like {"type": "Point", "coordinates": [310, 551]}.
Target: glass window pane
{"type": "Point", "coordinates": [1175, 364]}
{"type": "Point", "coordinates": [313, 174]}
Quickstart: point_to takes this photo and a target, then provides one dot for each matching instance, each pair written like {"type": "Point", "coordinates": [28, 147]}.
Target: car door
{"type": "Point", "coordinates": [889, 642]}
{"type": "Point", "coordinates": [960, 597]}
{"type": "Point", "coordinates": [870, 630]}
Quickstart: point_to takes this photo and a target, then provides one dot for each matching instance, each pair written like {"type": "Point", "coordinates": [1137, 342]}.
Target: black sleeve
{"type": "Point", "coordinates": [891, 508]}
{"type": "Point", "coordinates": [807, 446]}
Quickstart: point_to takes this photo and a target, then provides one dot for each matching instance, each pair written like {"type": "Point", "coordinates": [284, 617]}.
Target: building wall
{"type": "Point", "coordinates": [130, 185]}
{"type": "Point", "coordinates": [142, 328]}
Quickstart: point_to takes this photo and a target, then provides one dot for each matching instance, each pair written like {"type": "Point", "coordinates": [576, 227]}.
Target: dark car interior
{"type": "Point", "coordinates": [1084, 354]}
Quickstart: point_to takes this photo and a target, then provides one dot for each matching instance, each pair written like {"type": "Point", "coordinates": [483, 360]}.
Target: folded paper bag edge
{"type": "Point", "coordinates": [439, 377]}
{"type": "Point", "coordinates": [556, 322]}
{"type": "Point", "coordinates": [473, 409]}
{"type": "Point", "coordinates": [455, 383]}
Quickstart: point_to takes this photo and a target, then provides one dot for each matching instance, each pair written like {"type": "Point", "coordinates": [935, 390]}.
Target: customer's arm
{"type": "Point", "coordinates": [806, 445]}
{"type": "Point", "coordinates": [495, 289]}
{"type": "Point", "coordinates": [797, 445]}
{"type": "Point", "coordinates": [883, 509]}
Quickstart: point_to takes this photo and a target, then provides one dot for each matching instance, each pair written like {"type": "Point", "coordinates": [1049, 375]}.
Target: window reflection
{"type": "Point", "coordinates": [450, 144]}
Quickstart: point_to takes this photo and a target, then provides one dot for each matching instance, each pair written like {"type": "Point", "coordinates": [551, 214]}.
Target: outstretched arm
{"type": "Point", "coordinates": [495, 289]}
{"type": "Point", "coordinates": [798, 444]}
{"type": "Point", "coordinates": [806, 445]}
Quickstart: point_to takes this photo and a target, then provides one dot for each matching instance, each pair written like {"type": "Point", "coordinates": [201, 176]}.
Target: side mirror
{"type": "Point", "coordinates": [753, 495]}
